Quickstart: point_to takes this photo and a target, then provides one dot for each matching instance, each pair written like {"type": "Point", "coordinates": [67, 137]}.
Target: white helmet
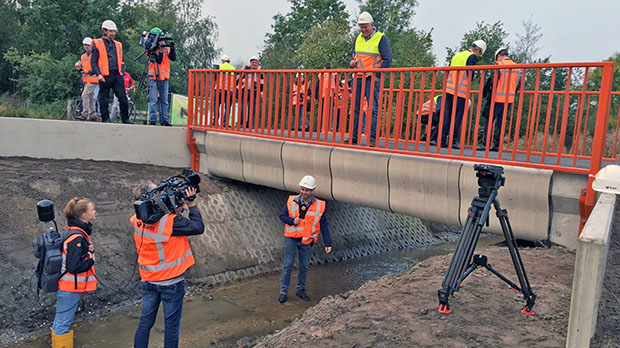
{"type": "Point", "coordinates": [108, 25]}
{"type": "Point", "coordinates": [481, 45]}
{"type": "Point", "coordinates": [253, 58]}
{"type": "Point", "coordinates": [87, 41]}
{"type": "Point", "coordinates": [308, 182]}
{"type": "Point", "coordinates": [499, 50]}
{"type": "Point", "coordinates": [225, 58]}
{"type": "Point", "coordinates": [365, 18]}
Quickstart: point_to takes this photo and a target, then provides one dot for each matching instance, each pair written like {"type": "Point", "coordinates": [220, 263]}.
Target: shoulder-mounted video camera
{"type": "Point", "coordinates": [490, 178]}
{"type": "Point", "coordinates": [167, 197]}
{"type": "Point", "coordinates": [152, 42]}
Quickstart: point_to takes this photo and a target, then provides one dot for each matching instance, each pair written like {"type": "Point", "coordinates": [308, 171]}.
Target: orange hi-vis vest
{"type": "Point", "coordinates": [81, 282]}
{"type": "Point", "coordinates": [460, 89]}
{"type": "Point", "coordinates": [308, 228]}
{"type": "Point", "coordinates": [298, 97]}
{"type": "Point", "coordinates": [161, 71]}
{"type": "Point", "coordinates": [102, 62]}
{"type": "Point", "coordinates": [426, 107]}
{"type": "Point", "coordinates": [160, 256]}
{"type": "Point", "coordinates": [328, 84]}
{"type": "Point", "coordinates": [226, 81]}
{"type": "Point", "coordinates": [507, 83]}
{"type": "Point", "coordinates": [87, 69]}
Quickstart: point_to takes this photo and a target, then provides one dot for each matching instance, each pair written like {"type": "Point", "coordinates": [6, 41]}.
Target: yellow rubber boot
{"type": "Point", "coordinates": [62, 341]}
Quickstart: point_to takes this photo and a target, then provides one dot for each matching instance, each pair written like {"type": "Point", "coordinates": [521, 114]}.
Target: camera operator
{"type": "Point", "coordinates": [107, 63]}
{"type": "Point", "coordinates": [164, 254]}
{"type": "Point", "coordinates": [78, 271]}
{"type": "Point", "coordinates": [159, 74]}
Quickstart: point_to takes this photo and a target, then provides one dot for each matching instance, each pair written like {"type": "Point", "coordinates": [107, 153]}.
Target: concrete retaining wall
{"type": "Point", "coordinates": [432, 189]}
{"type": "Point", "coordinates": [590, 264]}
{"type": "Point", "coordinates": [57, 139]}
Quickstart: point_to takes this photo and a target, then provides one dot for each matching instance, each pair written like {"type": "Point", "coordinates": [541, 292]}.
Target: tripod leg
{"type": "Point", "coordinates": [528, 294]}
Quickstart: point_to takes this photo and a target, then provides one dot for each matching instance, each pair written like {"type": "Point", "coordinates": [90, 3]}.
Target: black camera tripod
{"type": "Point", "coordinates": [490, 179]}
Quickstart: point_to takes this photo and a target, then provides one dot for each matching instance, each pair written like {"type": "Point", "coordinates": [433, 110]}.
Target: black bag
{"type": "Point", "coordinates": [48, 251]}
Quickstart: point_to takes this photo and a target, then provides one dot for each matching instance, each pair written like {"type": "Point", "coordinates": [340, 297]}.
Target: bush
{"type": "Point", "coordinates": [16, 106]}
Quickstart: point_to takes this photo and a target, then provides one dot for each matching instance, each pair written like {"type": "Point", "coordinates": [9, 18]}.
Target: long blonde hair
{"type": "Point", "coordinates": [76, 207]}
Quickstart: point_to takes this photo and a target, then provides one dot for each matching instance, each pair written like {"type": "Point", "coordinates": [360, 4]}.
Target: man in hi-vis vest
{"type": "Point", "coordinates": [304, 219]}
{"type": "Point", "coordinates": [164, 254]}
{"type": "Point", "coordinates": [371, 50]}
{"type": "Point", "coordinates": [107, 64]}
{"type": "Point", "coordinates": [458, 85]}
{"type": "Point", "coordinates": [499, 91]}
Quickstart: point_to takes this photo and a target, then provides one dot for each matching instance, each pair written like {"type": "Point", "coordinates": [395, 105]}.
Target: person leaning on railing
{"type": "Point", "coordinates": [460, 89]}
{"type": "Point", "coordinates": [501, 95]}
{"type": "Point", "coordinates": [371, 50]}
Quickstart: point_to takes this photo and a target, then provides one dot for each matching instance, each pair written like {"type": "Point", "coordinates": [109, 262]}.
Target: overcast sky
{"type": "Point", "coordinates": [573, 30]}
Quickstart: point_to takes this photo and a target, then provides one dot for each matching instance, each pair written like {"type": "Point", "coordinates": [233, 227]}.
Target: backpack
{"type": "Point", "coordinates": [48, 251]}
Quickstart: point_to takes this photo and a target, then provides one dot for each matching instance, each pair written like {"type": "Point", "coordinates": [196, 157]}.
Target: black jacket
{"type": "Point", "coordinates": [77, 249]}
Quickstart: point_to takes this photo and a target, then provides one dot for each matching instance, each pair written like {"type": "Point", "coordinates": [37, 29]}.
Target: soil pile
{"type": "Point", "coordinates": [401, 310]}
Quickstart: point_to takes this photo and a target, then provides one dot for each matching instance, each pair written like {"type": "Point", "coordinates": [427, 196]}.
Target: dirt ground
{"type": "Point", "coordinates": [401, 310]}
{"type": "Point", "coordinates": [25, 181]}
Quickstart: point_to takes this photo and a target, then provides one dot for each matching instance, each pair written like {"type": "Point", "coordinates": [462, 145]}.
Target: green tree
{"type": "Point", "coordinates": [493, 34]}
{"type": "Point", "coordinates": [412, 48]}
{"type": "Point", "coordinates": [392, 17]}
{"type": "Point", "coordinates": [290, 30]}
{"type": "Point", "coordinates": [526, 47]}
{"type": "Point", "coordinates": [329, 42]}
{"type": "Point", "coordinates": [8, 15]}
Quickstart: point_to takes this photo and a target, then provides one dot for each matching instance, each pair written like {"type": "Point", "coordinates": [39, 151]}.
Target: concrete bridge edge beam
{"type": "Point", "coordinates": [299, 160]}
{"type": "Point", "coordinates": [262, 162]}
{"type": "Point", "coordinates": [224, 155]}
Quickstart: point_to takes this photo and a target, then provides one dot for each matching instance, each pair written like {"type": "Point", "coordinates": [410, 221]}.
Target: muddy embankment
{"type": "Point", "coordinates": [243, 234]}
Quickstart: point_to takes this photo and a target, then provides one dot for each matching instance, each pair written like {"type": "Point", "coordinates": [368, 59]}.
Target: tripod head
{"type": "Point", "coordinates": [489, 178]}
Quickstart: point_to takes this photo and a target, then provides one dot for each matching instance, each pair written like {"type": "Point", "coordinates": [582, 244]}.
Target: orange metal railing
{"type": "Point", "coordinates": [559, 120]}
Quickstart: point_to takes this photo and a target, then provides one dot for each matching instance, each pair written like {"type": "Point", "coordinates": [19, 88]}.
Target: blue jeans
{"type": "Point", "coordinates": [292, 247]}
{"type": "Point", "coordinates": [172, 297]}
{"type": "Point", "coordinates": [375, 106]}
{"type": "Point", "coordinates": [66, 304]}
{"type": "Point", "coordinates": [158, 103]}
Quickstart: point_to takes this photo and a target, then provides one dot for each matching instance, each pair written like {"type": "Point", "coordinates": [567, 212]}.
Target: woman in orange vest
{"type": "Point", "coordinates": [78, 271]}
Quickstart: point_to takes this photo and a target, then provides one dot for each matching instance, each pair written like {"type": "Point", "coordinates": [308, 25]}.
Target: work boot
{"type": "Point", "coordinates": [152, 123]}
{"type": "Point", "coordinates": [62, 341]}
{"type": "Point", "coordinates": [167, 124]}
{"type": "Point", "coordinates": [127, 122]}
{"type": "Point", "coordinates": [282, 298]}
{"type": "Point", "coordinates": [302, 295]}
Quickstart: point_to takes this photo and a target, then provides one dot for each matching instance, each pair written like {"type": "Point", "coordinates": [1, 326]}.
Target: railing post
{"type": "Point", "coordinates": [191, 141]}
{"type": "Point", "coordinates": [598, 143]}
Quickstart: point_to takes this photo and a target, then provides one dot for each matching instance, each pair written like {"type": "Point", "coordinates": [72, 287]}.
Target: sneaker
{"type": "Point", "coordinates": [282, 298]}
{"type": "Point", "coordinates": [302, 295]}
{"type": "Point", "coordinates": [127, 122]}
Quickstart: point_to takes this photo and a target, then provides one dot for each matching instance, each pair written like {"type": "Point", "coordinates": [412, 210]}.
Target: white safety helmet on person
{"type": "Point", "coordinates": [308, 182]}
{"type": "Point", "coordinates": [108, 25]}
{"type": "Point", "coordinates": [481, 45]}
{"type": "Point", "coordinates": [365, 18]}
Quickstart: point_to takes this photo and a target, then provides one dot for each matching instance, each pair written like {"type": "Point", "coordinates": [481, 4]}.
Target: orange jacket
{"type": "Point", "coordinates": [102, 62]}
{"type": "Point", "coordinates": [162, 71]}
{"type": "Point", "coordinates": [160, 255]}
{"type": "Point", "coordinates": [308, 228]}
{"type": "Point", "coordinates": [81, 282]}
{"type": "Point", "coordinates": [87, 69]}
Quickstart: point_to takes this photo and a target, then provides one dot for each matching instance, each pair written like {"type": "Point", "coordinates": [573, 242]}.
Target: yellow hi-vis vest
{"type": "Point", "coordinates": [460, 89]}
{"type": "Point", "coordinates": [367, 55]}
{"type": "Point", "coordinates": [309, 227]}
{"type": "Point", "coordinates": [226, 81]}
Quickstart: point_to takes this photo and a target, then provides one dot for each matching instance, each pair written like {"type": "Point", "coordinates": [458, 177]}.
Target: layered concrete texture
{"type": "Point", "coordinates": [59, 139]}
{"type": "Point", "coordinates": [565, 193]}
{"type": "Point", "coordinates": [525, 196]}
{"type": "Point", "coordinates": [590, 264]}
{"type": "Point", "coordinates": [432, 189]}
{"type": "Point", "coordinates": [244, 235]}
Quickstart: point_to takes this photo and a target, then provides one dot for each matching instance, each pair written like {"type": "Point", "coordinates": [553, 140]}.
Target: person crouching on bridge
{"type": "Point", "coordinates": [303, 216]}
{"type": "Point", "coordinates": [164, 254]}
{"type": "Point", "coordinates": [78, 270]}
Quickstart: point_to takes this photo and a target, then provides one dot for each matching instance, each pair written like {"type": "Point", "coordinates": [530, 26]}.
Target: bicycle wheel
{"type": "Point", "coordinates": [76, 108]}
{"type": "Point", "coordinates": [132, 111]}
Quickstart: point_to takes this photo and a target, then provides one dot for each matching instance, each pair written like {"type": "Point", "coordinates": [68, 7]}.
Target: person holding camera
{"type": "Point", "coordinates": [78, 270]}
{"type": "Point", "coordinates": [164, 254]}
{"type": "Point", "coordinates": [107, 63]}
{"type": "Point", "coordinates": [159, 74]}
{"type": "Point", "coordinates": [304, 219]}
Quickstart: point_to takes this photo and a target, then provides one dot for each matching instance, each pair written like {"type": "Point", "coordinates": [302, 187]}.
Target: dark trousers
{"type": "Point", "coordinates": [374, 107]}
{"type": "Point", "coordinates": [447, 118]}
{"type": "Point", "coordinates": [115, 82]}
{"type": "Point", "coordinates": [222, 97]}
{"type": "Point", "coordinates": [248, 101]}
{"type": "Point", "coordinates": [172, 298]}
{"type": "Point", "coordinates": [498, 117]}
